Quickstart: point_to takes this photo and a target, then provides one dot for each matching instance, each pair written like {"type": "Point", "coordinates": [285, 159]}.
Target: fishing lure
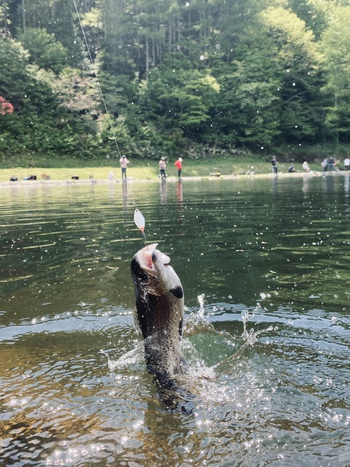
{"type": "Point", "coordinates": [140, 222]}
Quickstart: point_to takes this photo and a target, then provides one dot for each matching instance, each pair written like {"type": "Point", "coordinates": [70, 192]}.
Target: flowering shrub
{"type": "Point", "coordinates": [5, 107]}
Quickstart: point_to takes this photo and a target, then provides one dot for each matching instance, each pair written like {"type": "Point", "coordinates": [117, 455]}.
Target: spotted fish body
{"type": "Point", "coordinates": [159, 312]}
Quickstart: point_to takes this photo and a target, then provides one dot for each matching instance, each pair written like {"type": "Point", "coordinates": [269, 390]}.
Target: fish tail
{"type": "Point", "coordinates": [174, 397]}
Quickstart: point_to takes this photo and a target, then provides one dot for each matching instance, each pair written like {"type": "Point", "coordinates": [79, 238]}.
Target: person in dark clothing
{"type": "Point", "coordinates": [274, 165]}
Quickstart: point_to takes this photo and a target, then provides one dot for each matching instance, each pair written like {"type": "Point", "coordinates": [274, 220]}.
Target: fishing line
{"type": "Point", "coordinates": [96, 77]}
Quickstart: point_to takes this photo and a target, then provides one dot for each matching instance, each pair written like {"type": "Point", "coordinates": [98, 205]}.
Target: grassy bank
{"type": "Point", "coordinates": [65, 169]}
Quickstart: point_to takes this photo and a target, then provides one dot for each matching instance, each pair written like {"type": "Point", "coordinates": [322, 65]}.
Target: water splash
{"type": "Point", "coordinates": [250, 338]}
{"type": "Point", "coordinates": [197, 322]}
{"type": "Point", "coordinates": [201, 310]}
{"type": "Point", "coordinates": [248, 316]}
{"type": "Point", "coordinates": [127, 360]}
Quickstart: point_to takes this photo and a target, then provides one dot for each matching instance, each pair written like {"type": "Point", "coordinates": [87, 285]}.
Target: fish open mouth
{"type": "Point", "coordinates": [149, 257]}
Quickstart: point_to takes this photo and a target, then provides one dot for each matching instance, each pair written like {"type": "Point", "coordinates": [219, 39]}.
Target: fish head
{"type": "Point", "coordinates": [151, 271]}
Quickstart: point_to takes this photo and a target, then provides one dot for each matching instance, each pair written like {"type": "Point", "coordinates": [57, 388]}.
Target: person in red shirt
{"type": "Point", "coordinates": [178, 165]}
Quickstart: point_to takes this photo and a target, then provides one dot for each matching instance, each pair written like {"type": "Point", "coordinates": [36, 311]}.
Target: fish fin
{"type": "Point", "coordinates": [177, 291]}
{"type": "Point", "coordinates": [136, 322]}
{"type": "Point", "coordinates": [153, 291]}
{"type": "Point", "coordinates": [181, 331]}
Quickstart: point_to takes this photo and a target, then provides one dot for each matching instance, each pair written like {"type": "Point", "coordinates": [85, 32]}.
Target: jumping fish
{"type": "Point", "coordinates": [159, 311]}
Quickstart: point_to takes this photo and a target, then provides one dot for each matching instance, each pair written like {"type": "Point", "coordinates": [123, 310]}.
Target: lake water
{"type": "Point", "coordinates": [267, 339]}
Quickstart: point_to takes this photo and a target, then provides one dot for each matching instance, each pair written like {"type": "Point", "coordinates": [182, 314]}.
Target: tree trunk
{"type": "Point", "coordinates": [147, 58]}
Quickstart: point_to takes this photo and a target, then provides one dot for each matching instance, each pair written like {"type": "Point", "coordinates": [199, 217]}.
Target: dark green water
{"type": "Point", "coordinates": [74, 389]}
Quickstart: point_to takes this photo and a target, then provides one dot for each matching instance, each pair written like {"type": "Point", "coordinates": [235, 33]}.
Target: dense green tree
{"type": "Point", "coordinates": [78, 93]}
{"type": "Point", "coordinates": [39, 123]}
{"type": "Point", "coordinates": [247, 109]}
{"type": "Point", "coordinates": [240, 73]}
{"type": "Point", "coordinates": [336, 48]}
{"type": "Point", "coordinates": [296, 61]}
{"type": "Point", "coordinates": [45, 51]}
{"type": "Point", "coordinates": [313, 12]}
{"type": "Point", "coordinates": [179, 100]}
{"type": "Point", "coordinates": [14, 79]}
{"type": "Point", "coordinates": [55, 16]}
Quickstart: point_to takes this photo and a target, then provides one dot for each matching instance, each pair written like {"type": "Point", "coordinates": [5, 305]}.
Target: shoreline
{"type": "Point", "coordinates": [171, 179]}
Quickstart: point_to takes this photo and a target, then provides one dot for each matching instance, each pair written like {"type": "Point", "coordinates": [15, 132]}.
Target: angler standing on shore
{"type": "Point", "coordinates": [274, 165]}
{"type": "Point", "coordinates": [162, 167]}
{"type": "Point", "coordinates": [178, 165]}
{"type": "Point", "coordinates": [123, 165]}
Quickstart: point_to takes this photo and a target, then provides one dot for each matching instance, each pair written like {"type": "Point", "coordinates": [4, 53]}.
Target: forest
{"type": "Point", "coordinates": [93, 79]}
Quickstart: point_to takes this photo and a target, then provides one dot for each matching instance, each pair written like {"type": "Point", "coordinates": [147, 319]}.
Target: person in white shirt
{"type": "Point", "coordinates": [123, 165]}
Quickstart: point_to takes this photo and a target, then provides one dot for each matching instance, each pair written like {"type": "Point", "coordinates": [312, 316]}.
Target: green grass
{"type": "Point", "coordinates": [65, 168]}
{"type": "Point", "coordinates": [84, 173]}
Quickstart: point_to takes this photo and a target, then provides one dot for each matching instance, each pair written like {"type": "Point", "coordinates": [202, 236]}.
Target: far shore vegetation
{"type": "Point", "coordinates": [226, 85]}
